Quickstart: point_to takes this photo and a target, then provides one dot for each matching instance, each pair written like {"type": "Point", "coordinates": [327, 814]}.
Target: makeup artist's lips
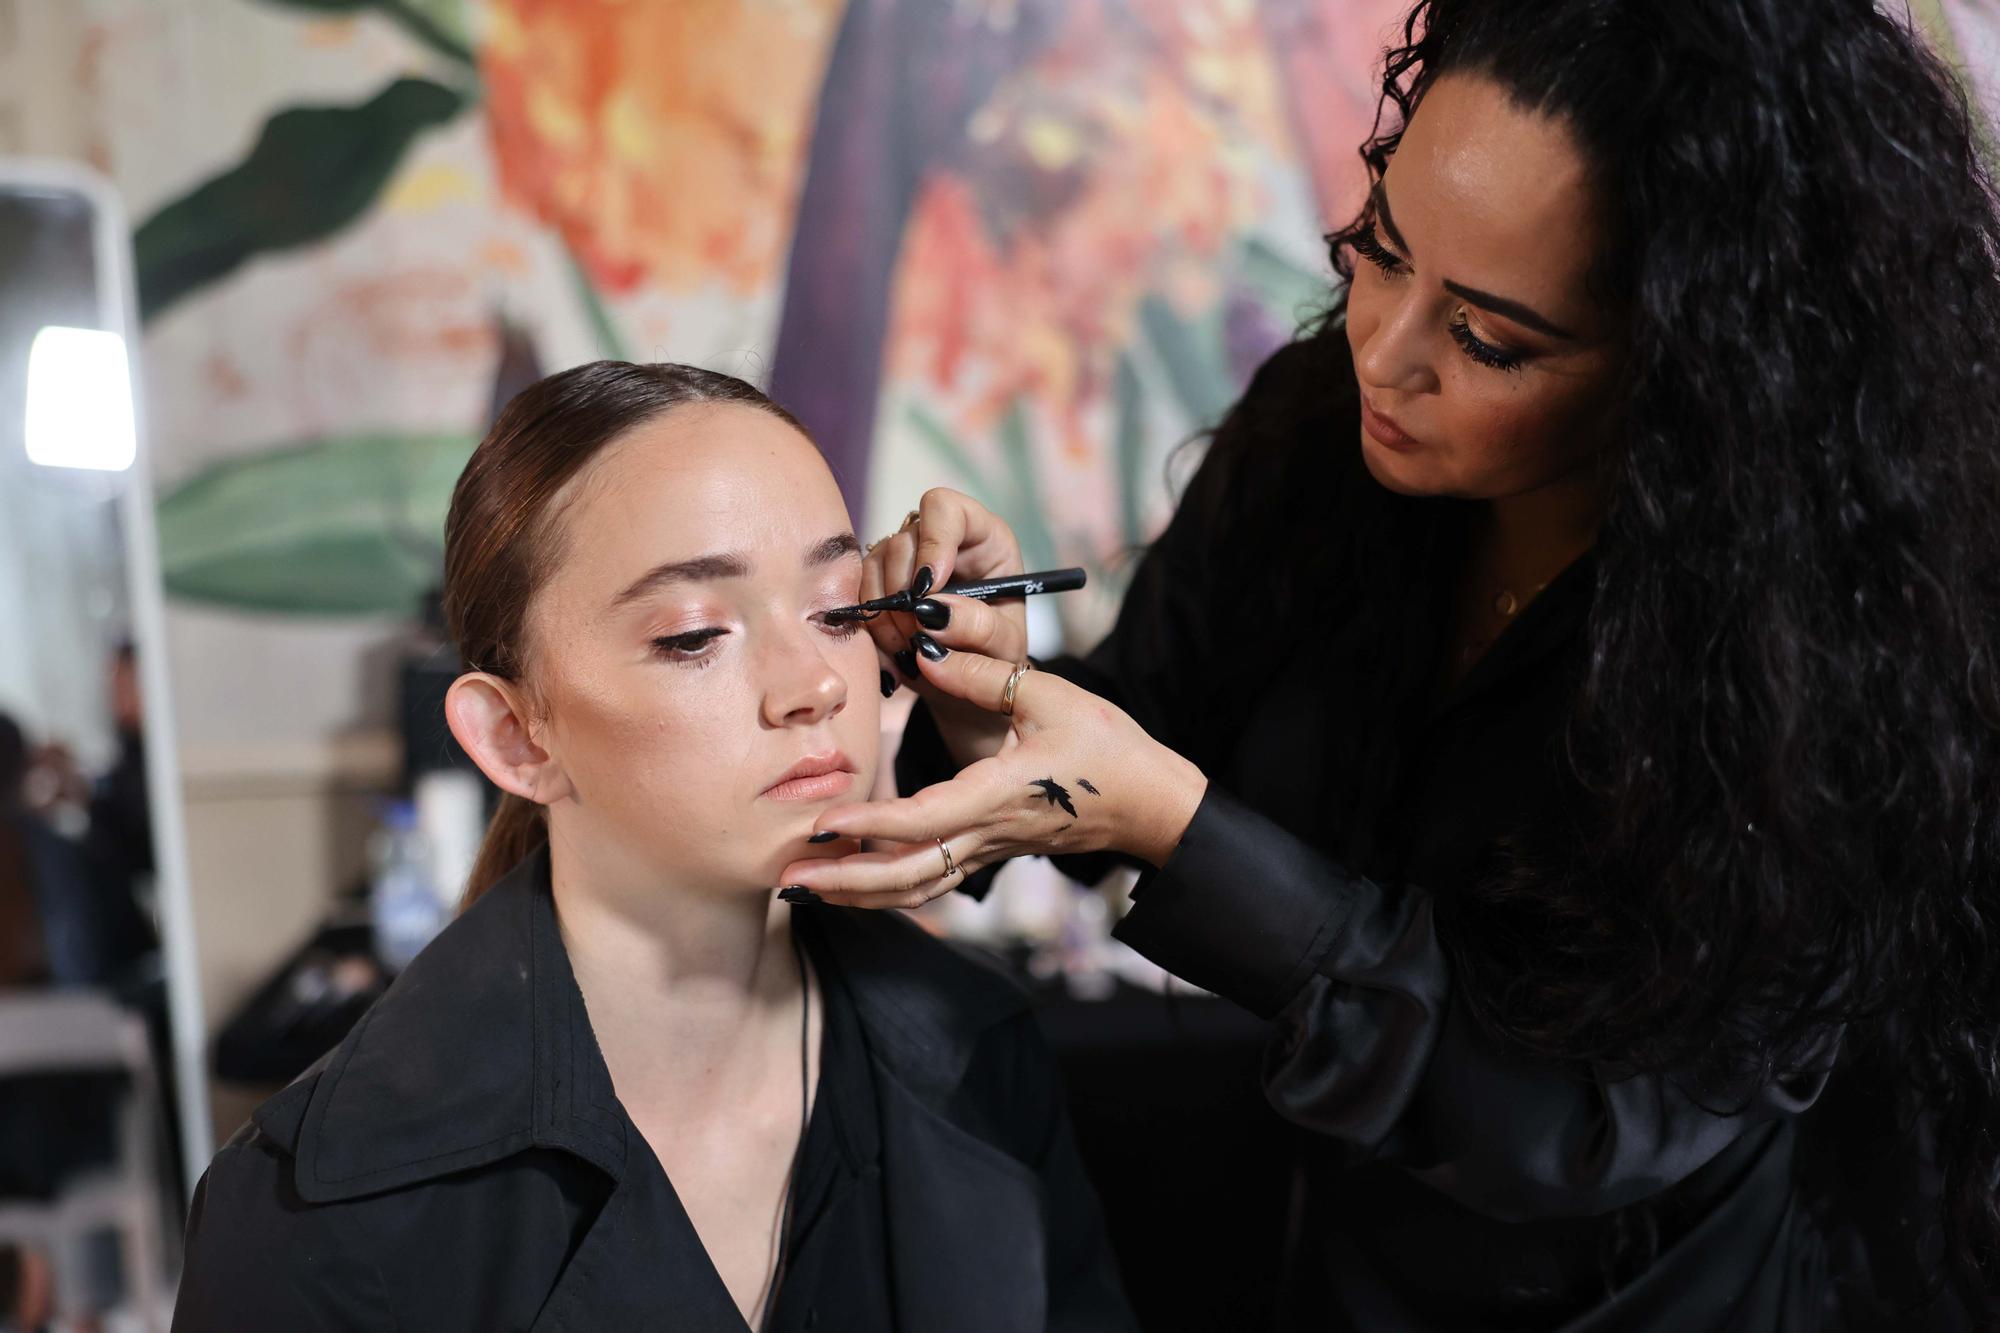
{"type": "Point", "coordinates": [1386, 432]}
{"type": "Point", "coordinates": [814, 778]}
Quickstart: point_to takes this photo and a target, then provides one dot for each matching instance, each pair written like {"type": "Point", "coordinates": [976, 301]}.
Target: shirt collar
{"type": "Point", "coordinates": [482, 1048]}
{"type": "Point", "coordinates": [1549, 628]}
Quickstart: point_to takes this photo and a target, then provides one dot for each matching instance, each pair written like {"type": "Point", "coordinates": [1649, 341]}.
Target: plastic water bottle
{"type": "Point", "coordinates": [403, 902]}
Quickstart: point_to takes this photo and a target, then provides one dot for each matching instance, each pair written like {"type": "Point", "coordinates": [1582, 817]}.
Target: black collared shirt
{"type": "Point", "coordinates": [461, 1163]}
{"type": "Point", "coordinates": [1452, 1184]}
{"type": "Point", "coordinates": [839, 1245]}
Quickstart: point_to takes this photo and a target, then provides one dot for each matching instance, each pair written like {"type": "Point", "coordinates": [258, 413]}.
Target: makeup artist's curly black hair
{"type": "Point", "coordinates": [1787, 726]}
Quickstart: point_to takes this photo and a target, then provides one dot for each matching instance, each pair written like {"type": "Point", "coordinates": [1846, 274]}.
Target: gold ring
{"type": "Point", "coordinates": [950, 866]}
{"type": "Point", "coordinates": [1014, 683]}
{"type": "Point", "coordinates": [909, 521]}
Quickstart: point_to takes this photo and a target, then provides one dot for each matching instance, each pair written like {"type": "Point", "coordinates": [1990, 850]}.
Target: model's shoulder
{"type": "Point", "coordinates": [929, 999]}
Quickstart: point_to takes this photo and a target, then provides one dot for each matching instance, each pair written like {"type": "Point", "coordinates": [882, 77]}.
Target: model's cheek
{"type": "Point", "coordinates": [621, 727]}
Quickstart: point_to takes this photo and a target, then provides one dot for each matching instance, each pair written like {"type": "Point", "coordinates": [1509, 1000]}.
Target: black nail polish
{"type": "Point", "coordinates": [930, 647]}
{"type": "Point", "coordinates": [906, 662]}
{"type": "Point", "coordinates": [888, 684]}
{"type": "Point", "coordinates": [920, 586]}
{"type": "Point", "coordinates": [797, 894]}
{"type": "Point", "coordinates": [828, 836]}
{"type": "Point", "coordinates": [931, 615]}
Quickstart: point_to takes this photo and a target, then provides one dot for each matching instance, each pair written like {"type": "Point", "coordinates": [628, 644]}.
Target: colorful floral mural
{"type": "Point", "coordinates": [1024, 247]}
{"type": "Point", "coordinates": [1020, 246]}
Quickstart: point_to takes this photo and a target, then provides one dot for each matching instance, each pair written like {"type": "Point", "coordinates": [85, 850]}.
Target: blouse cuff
{"type": "Point", "coordinates": [922, 760]}
{"type": "Point", "coordinates": [921, 757]}
{"type": "Point", "coordinates": [1242, 907]}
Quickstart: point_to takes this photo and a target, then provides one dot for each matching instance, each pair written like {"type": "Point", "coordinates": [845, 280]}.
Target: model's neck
{"type": "Point", "coordinates": [678, 979]}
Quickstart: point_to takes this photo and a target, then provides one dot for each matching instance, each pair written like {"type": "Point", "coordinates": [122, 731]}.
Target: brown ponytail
{"type": "Point", "coordinates": [500, 540]}
{"type": "Point", "coordinates": [517, 828]}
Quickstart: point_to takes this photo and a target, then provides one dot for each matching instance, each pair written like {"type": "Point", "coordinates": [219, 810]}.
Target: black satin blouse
{"type": "Point", "coordinates": [1452, 1183]}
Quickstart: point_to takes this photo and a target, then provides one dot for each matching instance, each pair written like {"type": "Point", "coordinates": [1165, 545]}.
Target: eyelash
{"type": "Point", "coordinates": [1485, 353]}
{"type": "Point", "coordinates": [690, 649]}
{"type": "Point", "coordinates": [1369, 246]}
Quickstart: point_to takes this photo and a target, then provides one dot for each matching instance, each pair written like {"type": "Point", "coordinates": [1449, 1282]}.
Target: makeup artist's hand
{"type": "Point", "coordinates": [1081, 777]}
{"type": "Point", "coordinates": [952, 536]}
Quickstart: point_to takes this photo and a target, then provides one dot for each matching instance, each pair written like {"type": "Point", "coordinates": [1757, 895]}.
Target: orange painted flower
{"type": "Point", "coordinates": [1120, 163]}
{"type": "Point", "coordinates": [664, 141]}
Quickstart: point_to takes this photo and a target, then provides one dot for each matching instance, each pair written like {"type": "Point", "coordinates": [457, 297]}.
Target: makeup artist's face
{"type": "Point", "coordinates": [679, 655]}
{"type": "Point", "coordinates": [1486, 368]}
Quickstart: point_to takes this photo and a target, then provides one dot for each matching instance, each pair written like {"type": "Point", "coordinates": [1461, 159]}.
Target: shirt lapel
{"type": "Point", "coordinates": [950, 1198]}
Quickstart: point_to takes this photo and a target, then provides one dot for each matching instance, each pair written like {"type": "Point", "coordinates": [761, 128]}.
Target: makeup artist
{"type": "Point", "coordinates": [1565, 698]}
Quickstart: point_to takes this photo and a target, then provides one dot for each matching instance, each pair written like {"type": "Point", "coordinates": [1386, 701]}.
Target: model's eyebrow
{"type": "Point", "coordinates": [837, 547]}
{"type": "Point", "coordinates": [701, 569]}
{"type": "Point", "coordinates": [727, 565]}
{"type": "Point", "coordinates": [1499, 305]}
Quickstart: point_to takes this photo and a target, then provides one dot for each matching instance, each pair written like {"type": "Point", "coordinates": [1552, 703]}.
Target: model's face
{"type": "Point", "coordinates": [1487, 368]}
{"type": "Point", "coordinates": [679, 657]}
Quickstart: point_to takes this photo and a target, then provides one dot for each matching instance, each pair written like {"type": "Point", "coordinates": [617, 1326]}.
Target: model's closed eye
{"type": "Point", "coordinates": [693, 647]}
{"type": "Point", "coordinates": [839, 629]}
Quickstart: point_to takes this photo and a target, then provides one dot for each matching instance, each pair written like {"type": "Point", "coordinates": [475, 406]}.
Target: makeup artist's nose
{"type": "Point", "coordinates": [801, 687]}
{"type": "Point", "coordinates": [1397, 354]}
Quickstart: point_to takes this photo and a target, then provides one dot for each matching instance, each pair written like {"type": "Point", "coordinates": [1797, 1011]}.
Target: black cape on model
{"type": "Point", "coordinates": [461, 1162]}
{"type": "Point", "coordinates": [1450, 1183]}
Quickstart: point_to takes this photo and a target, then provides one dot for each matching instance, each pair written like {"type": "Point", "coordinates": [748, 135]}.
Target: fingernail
{"type": "Point", "coordinates": [920, 586]}
{"type": "Point", "coordinates": [888, 684]}
{"type": "Point", "coordinates": [929, 647]}
{"type": "Point", "coordinates": [906, 662]}
{"type": "Point", "coordinates": [931, 615]}
{"type": "Point", "coordinates": [827, 836]}
{"type": "Point", "coordinates": [797, 894]}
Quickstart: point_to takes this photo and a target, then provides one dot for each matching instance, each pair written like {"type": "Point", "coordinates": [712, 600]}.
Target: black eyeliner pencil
{"type": "Point", "coordinates": [986, 590]}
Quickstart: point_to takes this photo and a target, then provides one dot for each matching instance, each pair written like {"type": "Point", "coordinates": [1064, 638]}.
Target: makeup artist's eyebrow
{"type": "Point", "coordinates": [1513, 310]}
{"type": "Point", "coordinates": [1499, 305]}
{"type": "Point", "coordinates": [702, 568]}
{"type": "Point", "coordinates": [832, 549]}
{"type": "Point", "coordinates": [1380, 198]}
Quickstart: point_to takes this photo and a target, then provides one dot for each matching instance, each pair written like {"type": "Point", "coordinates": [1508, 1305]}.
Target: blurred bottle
{"type": "Point", "coordinates": [404, 903]}
{"type": "Point", "coordinates": [451, 816]}
{"type": "Point", "coordinates": [1084, 944]}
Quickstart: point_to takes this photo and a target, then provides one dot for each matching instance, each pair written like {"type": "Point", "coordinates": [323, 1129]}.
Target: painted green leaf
{"type": "Point", "coordinates": [610, 343]}
{"type": "Point", "coordinates": [1288, 290]}
{"type": "Point", "coordinates": [313, 171]}
{"type": "Point", "coordinates": [1025, 510]}
{"type": "Point", "coordinates": [344, 526]}
{"type": "Point", "coordinates": [946, 445]}
{"type": "Point", "coordinates": [438, 24]}
{"type": "Point", "coordinates": [1016, 495]}
{"type": "Point", "coordinates": [1130, 450]}
{"type": "Point", "coordinates": [1191, 354]}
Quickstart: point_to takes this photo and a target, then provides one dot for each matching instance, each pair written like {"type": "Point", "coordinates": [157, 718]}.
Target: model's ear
{"type": "Point", "coordinates": [490, 720]}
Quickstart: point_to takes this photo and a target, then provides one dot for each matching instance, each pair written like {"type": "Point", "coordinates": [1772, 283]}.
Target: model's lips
{"type": "Point", "coordinates": [1385, 431]}
{"type": "Point", "coordinates": [814, 778]}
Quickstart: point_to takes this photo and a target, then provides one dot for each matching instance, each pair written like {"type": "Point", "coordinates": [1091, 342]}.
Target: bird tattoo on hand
{"type": "Point", "coordinates": [1054, 793]}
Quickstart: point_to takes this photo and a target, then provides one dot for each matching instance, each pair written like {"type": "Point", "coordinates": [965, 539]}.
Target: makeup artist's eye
{"type": "Point", "coordinates": [691, 647]}
{"type": "Point", "coordinates": [1485, 353]}
{"type": "Point", "coordinates": [1369, 246]}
